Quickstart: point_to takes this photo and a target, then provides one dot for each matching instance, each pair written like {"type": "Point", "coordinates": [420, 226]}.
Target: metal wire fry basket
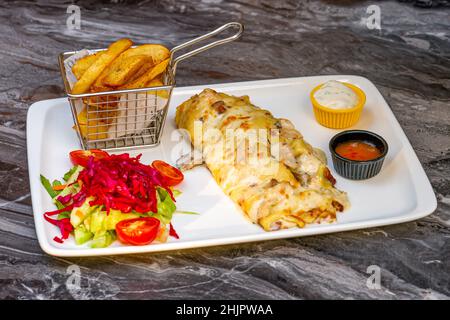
{"type": "Point", "coordinates": [132, 118]}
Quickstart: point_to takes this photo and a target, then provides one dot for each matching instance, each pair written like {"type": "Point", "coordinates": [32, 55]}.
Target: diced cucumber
{"type": "Point", "coordinates": [82, 235]}
{"type": "Point", "coordinates": [78, 214]}
{"type": "Point", "coordinates": [100, 221]}
{"type": "Point", "coordinates": [103, 239]}
{"type": "Point", "coordinates": [97, 223]}
{"type": "Point", "coordinates": [115, 216]}
{"type": "Point", "coordinates": [87, 222]}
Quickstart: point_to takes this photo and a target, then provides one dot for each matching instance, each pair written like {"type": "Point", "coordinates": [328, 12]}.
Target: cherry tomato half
{"type": "Point", "coordinates": [81, 157]}
{"type": "Point", "coordinates": [172, 175]}
{"type": "Point", "coordinates": [138, 231]}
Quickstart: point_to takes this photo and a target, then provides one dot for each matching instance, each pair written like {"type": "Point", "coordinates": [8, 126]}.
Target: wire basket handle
{"type": "Point", "coordinates": [205, 47]}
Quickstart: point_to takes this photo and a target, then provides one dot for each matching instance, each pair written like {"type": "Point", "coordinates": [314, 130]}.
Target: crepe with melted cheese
{"type": "Point", "coordinates": [282, 182]}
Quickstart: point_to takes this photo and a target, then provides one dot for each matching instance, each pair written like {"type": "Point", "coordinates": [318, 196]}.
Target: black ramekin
{"type": "Point", "coordinates": [353, 169]}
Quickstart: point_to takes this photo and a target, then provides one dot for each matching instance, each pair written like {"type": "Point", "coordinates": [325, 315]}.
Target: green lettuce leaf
{"type": "Point", "coordinates": [69, 173]}
{"type": "Point", "coordinates": [166, 207]}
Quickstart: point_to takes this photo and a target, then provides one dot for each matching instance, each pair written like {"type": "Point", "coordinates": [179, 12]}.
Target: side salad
{"type": "Point", "coordinates": [105, 196]}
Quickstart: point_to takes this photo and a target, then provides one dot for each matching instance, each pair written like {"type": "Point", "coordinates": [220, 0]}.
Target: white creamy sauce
{"type": "Point", "coordinates": [336, 95]}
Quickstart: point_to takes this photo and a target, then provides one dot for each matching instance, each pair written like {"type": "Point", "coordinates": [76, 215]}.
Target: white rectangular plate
{"type": "Point", "coordinates": [400, 193]}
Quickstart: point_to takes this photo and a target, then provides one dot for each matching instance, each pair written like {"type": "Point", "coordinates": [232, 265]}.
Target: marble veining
{"type": "Point", "coordinates": [408, 59]}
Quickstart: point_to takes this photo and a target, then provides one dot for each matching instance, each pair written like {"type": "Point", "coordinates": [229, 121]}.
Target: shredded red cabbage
{"type": "Point", "coordinates": [172, 232]}
{"type": "Point", "coordinates": [116, 182]}
{"type": "Point", "coordinates": [64, 227]}
{"type": "Point", "coordinates": [64, 199]}
{"type": "Point", "coordinates": [65, 209]}
{"type": "Point", "coordinates": [121, 182]}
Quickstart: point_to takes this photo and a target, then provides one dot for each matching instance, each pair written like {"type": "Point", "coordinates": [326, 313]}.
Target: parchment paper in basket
{"type": "Point", "coordinates": [132, 117]}
{"type": "Point", "coordinates": [136, 112]}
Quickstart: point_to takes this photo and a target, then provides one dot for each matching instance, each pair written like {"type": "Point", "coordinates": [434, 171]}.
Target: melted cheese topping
{"type": "Point", "coordinates": [269, 191]}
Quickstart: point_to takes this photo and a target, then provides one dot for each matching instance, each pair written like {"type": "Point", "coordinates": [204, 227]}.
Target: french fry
{"type": "Point", "coordinates": [156, 52]}
{"type": "Point", "coordinates": [146, 67]}
{"type": "Point", "coordinates": [97, 129]}
{"type": "Point", "coordinates": [103, 102]}
{"type": "Point", "coordinates": [119, 67]}
{"type": "Point", "coordinates": [102, 109]}
{"type": "Point", "coordinates": [81, 65]}
{"type": "Point", "coordinates": [142, 81]}
{"type": "Point", "coordinates": [94, 71]}
{"type": "Point", "coordinates": [157, 83]}
{"type": "Point", "coordinates": [98, 86]}
{"type": "Point", "coordinates": [124, 70]}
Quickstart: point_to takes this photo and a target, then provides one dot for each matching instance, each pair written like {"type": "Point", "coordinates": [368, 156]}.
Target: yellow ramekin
{"type": "Point", "coordinates": [338, 118]}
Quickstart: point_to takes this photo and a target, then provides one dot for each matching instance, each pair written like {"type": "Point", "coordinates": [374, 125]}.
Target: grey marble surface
{"type": "Point", "coordinates": [408, 59]}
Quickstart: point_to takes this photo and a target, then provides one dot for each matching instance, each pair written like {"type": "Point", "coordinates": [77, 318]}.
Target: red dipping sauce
{"type": "Point", "coordinates": [358, 150]}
